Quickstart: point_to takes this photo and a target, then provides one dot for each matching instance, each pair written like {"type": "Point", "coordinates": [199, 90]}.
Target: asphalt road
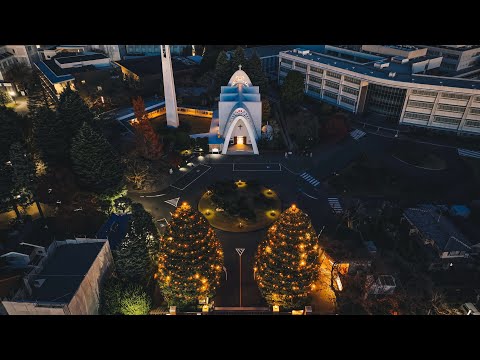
{"type": "Point", "coordinates": [290, 187]}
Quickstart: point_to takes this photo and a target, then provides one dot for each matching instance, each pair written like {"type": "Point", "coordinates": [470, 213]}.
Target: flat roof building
{"type": "Point", "coordinates": [455, 57]}
{"type": "Point", "coordinates": [66, 281]}
{"type": "Point", "coordinates": [398, 88]}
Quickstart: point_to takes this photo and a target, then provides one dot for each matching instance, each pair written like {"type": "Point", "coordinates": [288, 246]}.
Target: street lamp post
{"type": "Point", "coordinates": [240, 252]}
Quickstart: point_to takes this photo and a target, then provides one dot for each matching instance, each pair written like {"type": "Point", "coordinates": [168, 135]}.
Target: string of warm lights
{"type": "Point", "coordinates": [286, 263]}
{"type": "Point", "coordinates": [191, 258]}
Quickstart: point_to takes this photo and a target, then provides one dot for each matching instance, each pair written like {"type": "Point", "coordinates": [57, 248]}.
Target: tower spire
{"type": "Point", "coordinates": [169, 87]}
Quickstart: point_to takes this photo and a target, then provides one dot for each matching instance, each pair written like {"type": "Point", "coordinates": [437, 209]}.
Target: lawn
{"type": "Point", "coordinates": [239, 206]}
{"type": "Point", "coordinates": [194, 124]}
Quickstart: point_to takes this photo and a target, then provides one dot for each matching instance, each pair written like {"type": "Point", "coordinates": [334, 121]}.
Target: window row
{"type": "Point", "coordinates": [348, 101]}
{"type": "Point", "coordinates": [330, 94]}
{"type": "Point", "coordinates": [350, 90]}
{"type": "Point", "coordinates": [424, 93]}
{"type": "Point", "coordinates": [416, 116]}
{"type": "Point", "coordinates": [315, 79]}
{"type": "Point", "coordinates": [472, 123]}
{"type": "Point", "coordinates": [286, 61]}
{"type": "Point", "coordinates": [314, 89]}
{"type": "Point", "coordinates": [446, 120]}
{"type": "Point", "coordinates": [332, 84]}
{"type": "Point", "coordinates": [451, 108]}
{"type": "Point", "coordinates": [334, 75]}
{"type": "Point", "coordinates": [455, 96]}
{"type": "Point", "coordinates": [316, 70]}
{"type": "Point", "coordinates": [300, 65]}
{"type": "Point", "coordinates": [420, 104]}
{"type": "Point", "coordinates": [351, 80]}
{"type": "Point", "coordinates": [475, 111]}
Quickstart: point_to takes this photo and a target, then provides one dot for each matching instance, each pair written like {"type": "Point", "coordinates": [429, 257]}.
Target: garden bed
{"type": "Point", "coordinates": [239, 206]}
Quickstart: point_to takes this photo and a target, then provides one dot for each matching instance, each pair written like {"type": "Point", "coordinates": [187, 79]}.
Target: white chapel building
{"type": "Point", "coordinates": [236, 127]}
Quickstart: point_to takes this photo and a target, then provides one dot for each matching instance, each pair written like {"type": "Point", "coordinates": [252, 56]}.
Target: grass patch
{"type": "Point", "coordinates": [189, 124]}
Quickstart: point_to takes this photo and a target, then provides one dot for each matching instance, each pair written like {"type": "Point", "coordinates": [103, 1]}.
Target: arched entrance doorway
{"type": "Point", "coordinates": [240, 137]}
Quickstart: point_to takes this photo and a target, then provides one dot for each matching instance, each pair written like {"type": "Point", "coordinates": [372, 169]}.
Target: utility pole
{"type": "Point", "coordinates": [240, 252]}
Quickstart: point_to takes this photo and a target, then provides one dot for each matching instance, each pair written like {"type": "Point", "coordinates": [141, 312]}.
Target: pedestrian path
{"type": "Point", "coordinates": [469, 153]}
{"type": "Point", "coordinates": [335, 205]}
{"type": "Point", "coordinates": [357, 134]}
{"type": "Point", "coordinates": [310, 179]}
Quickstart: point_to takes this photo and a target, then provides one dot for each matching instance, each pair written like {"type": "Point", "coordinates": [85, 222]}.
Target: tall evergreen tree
{"type": "Point", "coordinates": [238, 58]}
{"type": "Point", "coordinates": [287, 263]}
{"type": "Point", "coordinates": [256, 74]}
{"type": "Point", "coordinates": [191, 258]}
{"type": "Point", "coordinates": [10, 131]}
{"type": "Point", "coordinates": [5, 97]}
{"type": "Point", "coordinates": [37, 95]}
{"type": "Point", "coordinates": [222, 70]}
{"type": "Point", "coordinates": [136, 258]}
{"type": "Point", "coordinates": [73, 112]}
{"type": "Point", "coordinates": [148, 141]}
{"type": "Point", "coordinates": [23, 177]}
{"type": "Point", "coordinates": [293, 88]}
{"type": "Point", "coordinates": [48, 136]}
{"type": "Point", "coordinates": [7, 202]}
{"type": "Point", "coordinates": [95, 162]}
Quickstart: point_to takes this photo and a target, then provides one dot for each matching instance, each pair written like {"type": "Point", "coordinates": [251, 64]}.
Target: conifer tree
{"type": "Point", "coordinates": [286, 262]}
{"type": "Point", "coordinates": [222, 70]}
{"type": "Point", "coordinates": [191, 258]}
{"type": "Point", "coordinates": [238, 58]}
{"type": "Point", "coordinates": [137, 255]}
{"type": "Point", "coordinates": [256, 74]}
{"type": "Point", "coordinates": [95, 162]}
{"type": "Point", "coordinates": [72, 112]}
{"type": "Point", "coordinates": [48, 136]}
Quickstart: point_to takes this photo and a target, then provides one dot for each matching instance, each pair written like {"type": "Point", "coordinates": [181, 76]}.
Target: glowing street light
{"type": "Point", "coordinates": [13, 94]}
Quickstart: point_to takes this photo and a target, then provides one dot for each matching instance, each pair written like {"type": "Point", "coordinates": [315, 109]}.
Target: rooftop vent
{"type": "Point", "coordinates": [381, 64]}
{"type": "Point", "coordinates": [400, 59]}
{"type": "Point", "coordinates": [392, 74]}
{"type": "Point", "coordinates": [301, 51]}
{"type": "Point", "coordinates": [38, 283]}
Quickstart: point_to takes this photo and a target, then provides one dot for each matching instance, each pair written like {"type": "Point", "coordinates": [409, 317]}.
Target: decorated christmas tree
{"type": "Point", "coordinates": [191, 259]}
{"type": "Point", "coordinates": [287, 263]}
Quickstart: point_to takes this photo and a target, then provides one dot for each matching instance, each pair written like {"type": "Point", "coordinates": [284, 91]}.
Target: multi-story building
{"type": "Point", "coordinates": [58, 72]}
{"type": "Point", "coordinates": [15, 54]}
{"type": "Point", "coordinates": [455, 57]}
{"type": "Point", "coordinates": [151, 50]}
{"type": "Point", "coordinates": [65, 280]}
{"type": "Point", "coordinates": [114, 52]}
{"type": "Point", "coordinates": [399, 88]}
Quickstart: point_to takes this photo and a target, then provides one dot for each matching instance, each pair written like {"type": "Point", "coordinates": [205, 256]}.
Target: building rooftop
{"type": "Point", "coordinates": [436, 227]}
{"type": "Point", "coordinates": [114, 229]}
{"type": "Point", "coordinates": [68, 58]}
{"type": "Point", "coordinates": [151, 65]}
{"type": "Point", "coordinates": [53, 72]}
{"type": "Point", "coordinates": [268, 50]}
{"type": "Point", "coordinates": [64, 271]}
{"type": "Point", "coordinates": [403, 72]}
{"type": "Point", "coordinates": [5, 55]}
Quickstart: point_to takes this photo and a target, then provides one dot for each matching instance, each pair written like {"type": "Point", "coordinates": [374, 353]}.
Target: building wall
{"type": "Point", "coordinates": [86, 300]}
{"type": "Point", "coordinates": [30, 308]}
{"type": "Point", "coordinates": [389, 51]}
{"type": "Point", "coordinates": [436, 107]}
{"type": "Point", "coordinates": [455, 60]}
{"type": "Point", "coordinates": [95, 62]}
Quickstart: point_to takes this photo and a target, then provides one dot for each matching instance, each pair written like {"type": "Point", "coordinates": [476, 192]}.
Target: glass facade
{"type": "Point", "coordinates": [385, 100]}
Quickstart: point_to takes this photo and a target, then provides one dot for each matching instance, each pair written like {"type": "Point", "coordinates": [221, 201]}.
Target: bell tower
{"type": "Point", "coordinates": [169, 87]}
